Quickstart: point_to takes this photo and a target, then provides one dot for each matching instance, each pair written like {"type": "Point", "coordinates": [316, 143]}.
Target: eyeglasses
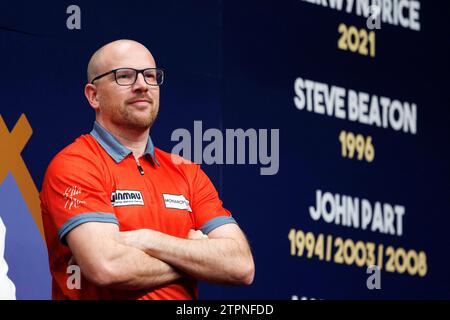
{"type": "Point", "coordinates": [128, 76]}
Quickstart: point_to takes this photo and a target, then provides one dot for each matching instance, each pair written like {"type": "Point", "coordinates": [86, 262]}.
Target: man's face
{"type": "Point", "coordinates": [132, 107]}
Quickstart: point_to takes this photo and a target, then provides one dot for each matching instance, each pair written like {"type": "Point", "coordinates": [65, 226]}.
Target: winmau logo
{"type": "Point", "coordinates": [126, 198]}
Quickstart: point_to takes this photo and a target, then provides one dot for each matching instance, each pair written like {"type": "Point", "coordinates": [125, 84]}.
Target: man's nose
{"type": "Point", "coordinates": [140, 83]}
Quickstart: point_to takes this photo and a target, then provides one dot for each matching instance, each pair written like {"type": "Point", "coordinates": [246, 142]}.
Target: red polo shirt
{"type": "Point", "coordinates": [97, 179]}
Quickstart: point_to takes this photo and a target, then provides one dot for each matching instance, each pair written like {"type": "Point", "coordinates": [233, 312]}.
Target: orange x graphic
{"type": "Point", "coordinates": [11, 146]}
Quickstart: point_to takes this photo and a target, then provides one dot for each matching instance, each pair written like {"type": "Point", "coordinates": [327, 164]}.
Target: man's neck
{"type": "Point", "coordinates": [135, 140]}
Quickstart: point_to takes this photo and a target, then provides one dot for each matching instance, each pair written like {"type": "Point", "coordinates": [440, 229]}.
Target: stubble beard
{"type": "Point", "coordinates": [128, 118]}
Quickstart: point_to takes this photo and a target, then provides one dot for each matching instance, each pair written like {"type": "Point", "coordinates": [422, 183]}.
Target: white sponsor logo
{"type": "Point", "coordinates": [173, 201]}
{"type": "Point", "coordinates": [127, 198]}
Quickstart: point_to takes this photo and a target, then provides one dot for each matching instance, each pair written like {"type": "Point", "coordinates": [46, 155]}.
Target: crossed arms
{"type": "Point", "coordinates": [147, 258]}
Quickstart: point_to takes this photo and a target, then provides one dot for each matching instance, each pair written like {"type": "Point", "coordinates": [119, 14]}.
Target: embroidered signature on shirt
{"type": "Point", "coordinates": [70, 197]}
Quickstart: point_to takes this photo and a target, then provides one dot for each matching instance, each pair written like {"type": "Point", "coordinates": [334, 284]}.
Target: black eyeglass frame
{"type": "Point", "coordinates": [138, 71]}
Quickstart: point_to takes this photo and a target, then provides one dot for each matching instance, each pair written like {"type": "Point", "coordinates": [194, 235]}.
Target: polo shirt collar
{"type": "Point", "coordinates": [114, 148]}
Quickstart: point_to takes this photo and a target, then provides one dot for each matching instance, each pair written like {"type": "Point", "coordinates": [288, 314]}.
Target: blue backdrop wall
{"type": "Point", "coordinates": [358, 118]}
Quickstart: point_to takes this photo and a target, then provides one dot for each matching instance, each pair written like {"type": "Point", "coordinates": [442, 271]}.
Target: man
{"type": "Point", "coordinates": [139, 223]}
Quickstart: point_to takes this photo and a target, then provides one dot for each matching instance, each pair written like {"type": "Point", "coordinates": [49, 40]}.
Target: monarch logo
{"type": "Point", "coordinates": [173, 201]}
{"type": "Point", "coordinates": [126, 198]}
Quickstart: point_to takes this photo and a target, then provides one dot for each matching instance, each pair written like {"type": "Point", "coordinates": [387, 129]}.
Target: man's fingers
{"type": "Point", "coordinates": [196, 235]}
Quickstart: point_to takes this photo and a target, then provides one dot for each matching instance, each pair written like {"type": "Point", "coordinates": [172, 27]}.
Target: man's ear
{"type": "Point", "coordinates": [90, 91]}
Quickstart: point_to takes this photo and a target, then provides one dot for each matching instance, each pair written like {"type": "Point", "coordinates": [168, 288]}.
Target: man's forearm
{"type": "Point", "coordinates": [133, 269]}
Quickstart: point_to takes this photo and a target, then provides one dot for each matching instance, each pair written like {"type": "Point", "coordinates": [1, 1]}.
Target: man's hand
{"type": "Point", "coordinates": [135, 238]}
{"type": "Point", "coordinates": [196, 235]}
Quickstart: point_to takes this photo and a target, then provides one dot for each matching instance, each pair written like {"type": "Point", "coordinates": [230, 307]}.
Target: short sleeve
{"type": "Point", "coordinates": [208, 210]}
{"type": "Point", "coordinates": [74, 192]}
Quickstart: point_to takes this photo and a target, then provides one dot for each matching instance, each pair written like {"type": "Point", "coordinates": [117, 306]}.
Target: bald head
{"type": "Point", "coordinates": [115, 55]}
